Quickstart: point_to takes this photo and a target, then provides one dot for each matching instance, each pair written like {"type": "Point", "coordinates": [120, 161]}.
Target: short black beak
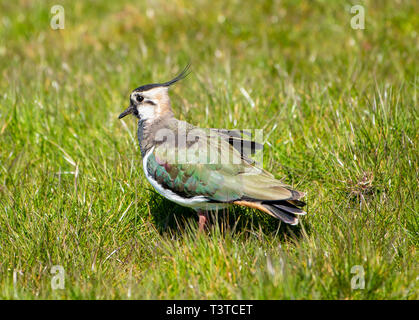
{"type": "Point", "coordinates": [127, 111]}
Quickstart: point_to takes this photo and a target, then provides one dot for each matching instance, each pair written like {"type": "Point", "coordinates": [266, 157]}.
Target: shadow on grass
{"type": "Point", "coordinates": [172, 218]}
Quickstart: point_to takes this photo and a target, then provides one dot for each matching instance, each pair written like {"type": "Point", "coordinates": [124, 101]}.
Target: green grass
{"type": "Point", "coordinates": [338, 106]}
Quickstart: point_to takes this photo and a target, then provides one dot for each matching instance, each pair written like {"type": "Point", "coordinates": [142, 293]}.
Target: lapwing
{"type": "Point", "coordinates": [204, 169]}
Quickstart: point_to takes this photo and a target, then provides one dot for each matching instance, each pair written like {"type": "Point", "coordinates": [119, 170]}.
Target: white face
{"type": "Point", "coordinates": [147, 102]}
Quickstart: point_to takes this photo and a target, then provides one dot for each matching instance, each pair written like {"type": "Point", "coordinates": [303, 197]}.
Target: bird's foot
{"type": "Point", "coordinates": [203, 219]}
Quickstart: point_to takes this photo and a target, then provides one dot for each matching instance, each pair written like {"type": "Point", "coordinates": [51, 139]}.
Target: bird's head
{"type": "Point", "coordinates": [152, 100]}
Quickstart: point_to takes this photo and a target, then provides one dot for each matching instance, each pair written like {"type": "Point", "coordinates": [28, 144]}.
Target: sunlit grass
{"type": "Point", "coordinates": [339, 112]}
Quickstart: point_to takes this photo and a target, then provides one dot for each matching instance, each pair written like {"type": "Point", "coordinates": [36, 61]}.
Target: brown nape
{"type": "Point", "coordinates": [164, 106]}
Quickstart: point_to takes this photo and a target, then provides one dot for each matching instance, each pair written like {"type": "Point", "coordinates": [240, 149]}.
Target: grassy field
{"type": "Point", "coordinates": [339, 111]}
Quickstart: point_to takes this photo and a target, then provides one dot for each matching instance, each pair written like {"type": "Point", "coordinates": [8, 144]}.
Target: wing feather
{"type": "Point", "coordinates": [210, 166]}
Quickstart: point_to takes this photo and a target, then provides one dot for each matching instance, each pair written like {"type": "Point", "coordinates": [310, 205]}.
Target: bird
{"type": "Point", "coordinates": [204, 169]}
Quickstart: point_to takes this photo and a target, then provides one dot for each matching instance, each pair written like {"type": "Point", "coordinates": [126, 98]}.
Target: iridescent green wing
{"type": "Point", "coordinates": [207, 165]}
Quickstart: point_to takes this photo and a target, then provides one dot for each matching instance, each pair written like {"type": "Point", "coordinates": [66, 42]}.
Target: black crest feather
{"type": "Point", "coordinates": [185, 72]}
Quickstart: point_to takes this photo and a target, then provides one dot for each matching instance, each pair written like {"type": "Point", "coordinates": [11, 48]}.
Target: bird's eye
{"type": "Point", "coordinates": [139, 98]}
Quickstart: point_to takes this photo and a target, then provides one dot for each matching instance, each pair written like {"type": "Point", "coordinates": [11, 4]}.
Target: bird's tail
{"type": "Point", "coordinates": [285, 210]}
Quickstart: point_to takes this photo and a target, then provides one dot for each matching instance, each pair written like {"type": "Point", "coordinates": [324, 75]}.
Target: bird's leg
{"type": "Point", "coordinates": [203, 218]}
